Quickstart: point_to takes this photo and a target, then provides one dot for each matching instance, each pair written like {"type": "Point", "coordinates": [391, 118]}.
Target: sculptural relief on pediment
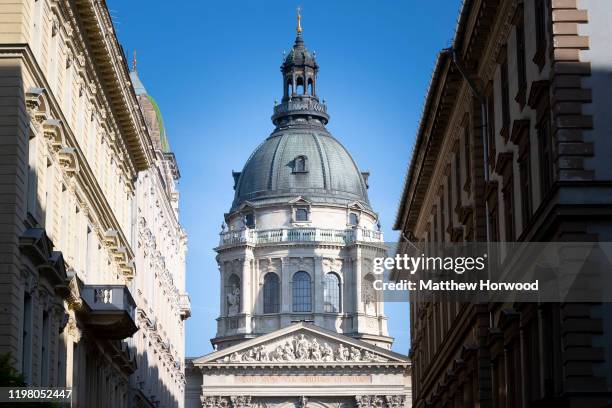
{"type": "Point", "coordinates": [303, 348]}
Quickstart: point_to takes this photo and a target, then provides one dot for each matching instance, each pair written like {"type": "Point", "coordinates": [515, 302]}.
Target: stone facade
{"type": "Point", "coordinates": [300, 324]}
{"type": "Point", "coordinates": [84, 221]}
{"type": "Point", "coordinates": [517, 153]}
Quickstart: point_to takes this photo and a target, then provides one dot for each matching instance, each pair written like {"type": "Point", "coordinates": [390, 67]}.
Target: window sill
{"type": "Point", "coordinates": [540, 58]}
{"type": "Point", "coordinates": [521, 96]}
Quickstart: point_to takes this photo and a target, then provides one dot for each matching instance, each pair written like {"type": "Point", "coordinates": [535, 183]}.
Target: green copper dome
{"type": "Point", "coordinates": [272, 173]}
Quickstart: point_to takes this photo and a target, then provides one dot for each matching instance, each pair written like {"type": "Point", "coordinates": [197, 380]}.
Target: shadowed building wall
{"type": "Point", "coordinates": [537, 124]}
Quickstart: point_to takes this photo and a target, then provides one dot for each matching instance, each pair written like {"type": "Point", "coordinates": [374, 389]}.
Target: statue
{"type": "Point", "coordinates": [301, 348]}
{"type": "Point", "coordinates": [355, 354]}
{"type": "Point", "coordinates": [315, 350]}
{"type": "Point", "coordinates": [343, 353]}
{"type": "Point", "coordinates": [288, 352]}
{"type": "Point", "coordinates": [327, 354]}
{"type": "Point", "coordinates": [233, 300]}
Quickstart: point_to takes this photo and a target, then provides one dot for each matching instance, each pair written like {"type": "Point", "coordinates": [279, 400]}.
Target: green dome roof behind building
{"type": "Point", "coordinates": [142, 92]}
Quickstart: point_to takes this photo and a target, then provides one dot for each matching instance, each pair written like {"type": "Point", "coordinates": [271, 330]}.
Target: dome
{"type": "Point", "coordinates": [273, 175]}
{"type": "Point", "coordinates": [152, 113]}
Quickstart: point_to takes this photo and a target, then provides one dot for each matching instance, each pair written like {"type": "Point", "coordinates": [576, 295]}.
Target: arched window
{"type": "Point", "coordinates": [300, 86]}
{"type": "Point", "coordinates": [289, 89]}
{"type": "Point", "coordinates": [271, 293]}
{"type": "Point", "coordinates": [331, 293]}
{"type": "Point", "coordinates": [300, 164]}
{"type": "Point", "coordinates": [353, 219]}
{"type": "Point", "coordinates": [302, 296]}
{"type": "Point", "coordinates": [310, 88]}
{"type": "Point", "coordinates": [249, 220]}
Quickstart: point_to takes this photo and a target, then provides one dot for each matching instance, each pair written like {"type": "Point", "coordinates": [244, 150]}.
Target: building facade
{"type": "Point", "coordinates": [300, 323]}
{"type": "Point", "coordinates": [88, 215]}
{"type": "Point", "coordinates": [512, 146]}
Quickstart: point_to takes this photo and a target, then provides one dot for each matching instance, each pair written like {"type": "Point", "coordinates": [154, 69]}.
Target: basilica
{"type": "Point", "coordinates": [300, 324]}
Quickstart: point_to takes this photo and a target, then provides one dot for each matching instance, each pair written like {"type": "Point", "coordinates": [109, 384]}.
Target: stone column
{"type": "Point", "coordinates": [318, 296]}
{"type": "Point", "coordinates": [357, 276]}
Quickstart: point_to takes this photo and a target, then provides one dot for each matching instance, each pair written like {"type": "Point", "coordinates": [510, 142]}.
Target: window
{"type": "Point", "coordinates": [301, 214]}
{"type": "Point", "coordinates": [249, 220]}
{"type": "Point", "coordinates": [458, 177]}
{"type": "Point", "coordinates": [540, 31]}
{"type": "Point", "coordinates": [302, 296]}
{"type": "Point", "coordinates": [44, 355]}
{"type": "Point", "coordinates": [509, 209]}
{"type": "Point", "coordinates": [468, 156]}
{"type": "Point", "coordinates": [26, 346]}
{"type": "Point", "coordinates": [525, 175]}
{"type": "Point", "coordinates": [493, 224]}
{"type": "Point", "coordinates": [491, 122]}
{"type": "Point", "coordinates": [300, 164]}
{"type": "Point", "coordinates": [520, 60]}
{"type": "Point", "coordinates": [545, 153]}
{"type": "Point", "coordinates": [505, 98]}
{"type": "Point", "coordinates": [32, 176]}
{"type": "Point", "coordinates": [271, 293]}
{"type": "Point", "coordinates": [442, 209]}
{"type": "Point", "coordinates": [353, 219]}
{"type": "Point", "coordinates": [331, 294]}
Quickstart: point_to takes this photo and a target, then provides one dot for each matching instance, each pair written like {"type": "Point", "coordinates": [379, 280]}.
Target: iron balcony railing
{"type": "Point", "coordinates": [301, 234]}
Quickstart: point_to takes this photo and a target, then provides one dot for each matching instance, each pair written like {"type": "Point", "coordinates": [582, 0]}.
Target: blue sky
{"type": "Point", "coordinates": [213, 68]}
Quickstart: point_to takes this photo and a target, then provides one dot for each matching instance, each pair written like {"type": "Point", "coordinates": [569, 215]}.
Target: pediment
{"type": "Point", "coordinates": [302, 343]}
{"type": "Point", "coordinates": [300, 200]}
{"type": "Point", "coordinates": [356, 205]}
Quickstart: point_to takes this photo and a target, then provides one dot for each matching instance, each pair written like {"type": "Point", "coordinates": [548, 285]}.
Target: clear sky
{"type": "Point", "coordinates": [213, 68]}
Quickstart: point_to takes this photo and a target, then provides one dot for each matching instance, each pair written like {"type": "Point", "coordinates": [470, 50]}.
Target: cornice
{"type": "Point", "coordinates": [63, 144]}
{"type": "Point", "coordinates": [90, 20]}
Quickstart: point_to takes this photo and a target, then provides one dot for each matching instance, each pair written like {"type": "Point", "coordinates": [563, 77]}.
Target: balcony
{"type": "Point", "coordinates": [112, 310]}
{"type": "Point", "coordinates": [297, 235]}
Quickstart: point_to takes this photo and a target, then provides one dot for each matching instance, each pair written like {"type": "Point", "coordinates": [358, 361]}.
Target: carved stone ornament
{"type": "Point", "coordinates": [395, 401]}
{"type": "Point", "coordinates": [369, 401]}
{"type": "Point", "coordinates": [233, 300]}
{"type": "Point", "coordinates": [214, 401]}
{"type": "Point", "coordinates": [241, 401]}
{"type": "Point", "coordinates": [302, 349]}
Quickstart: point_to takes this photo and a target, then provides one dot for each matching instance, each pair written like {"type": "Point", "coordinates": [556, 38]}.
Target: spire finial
{"type": "Point", "coordinates": [299, 21]}
{"type": "Point", "coordinates": [134, 61]}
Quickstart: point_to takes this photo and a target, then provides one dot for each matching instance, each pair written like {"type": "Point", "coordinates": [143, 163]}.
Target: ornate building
{"type": "Point", "coordinates": [91, 249]}
{"type": "Point", "coordinates": [159, 285]}
{"type": "Point", "coordinates": [513, 145]}
{"type": "Point", "coordinates": [300, 323]}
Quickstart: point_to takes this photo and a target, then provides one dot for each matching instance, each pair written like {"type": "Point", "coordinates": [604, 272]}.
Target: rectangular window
{"type": "Point", "coordinates": [26, 339]}
{"type": "Point", "coordinates": [49, 186]}
{"type": "Point", "coordinates": [32, 177]}
{"type": "Point", "coordinates": [494, 224]}
{"type": "Point", "coordinates": [458, 178]}
{"type": "Point", "coordinates": [442, 216]}
{"type": "Point", "coordinates": [545, 155]}
{"type": "Point", "coordinates": [505, 98]}
{"type": "Point", "coordinates": [509, 210]}
{"type": "Point", "coordinates": [520, 55]}
{"type": "Point", "coordinates": [435, 228]}
{"type": "Point", "coordinates": [491, 122]}
{"type": "Point", "coordinates": [468, 155]}
{"type": "Point", "coordinates": [44, 354]}
{"type": "Point", "coordinates": [540, 33]}
{"type": "Point", "coordinates": [526, 196]}
{"type": "Point", "coordinates": [449, 204]}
